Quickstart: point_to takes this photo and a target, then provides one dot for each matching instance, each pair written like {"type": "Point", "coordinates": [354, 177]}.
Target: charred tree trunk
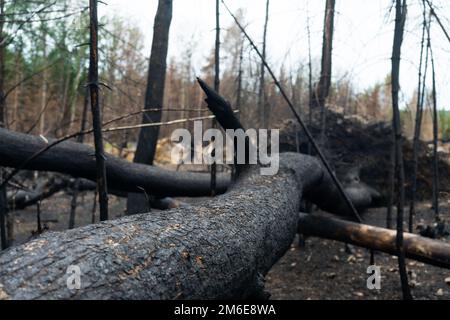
{"type": "Point", "coordinates": [132, 258]}
{"type": "Point", "coordinates": [429, 251]}
{"type": "Point", "coordinates": [217, 88]}
{"type": "Point", "coordinates": [418, 123]}
{"type": "Point", "coordinates": [323, 87]}
{"type": "Point", "coordinates": [76, 159]}
{"type": "Point", "coordinates": [3, 201]}
{"type": "Point", "coordinates": [400, 18]}
{"type": "Point", "coordinates": [148, 137]}
{"type": "Point", "coordinates": [96, 113]}
{"type": "Point", "coordinates": [262, 103]}
{"type": "Point", "coordinates": [238, 236]}
{"type": "Point", "coordinates": [178, 255]}
{"type": "Point", "coordinates": [435, 136]}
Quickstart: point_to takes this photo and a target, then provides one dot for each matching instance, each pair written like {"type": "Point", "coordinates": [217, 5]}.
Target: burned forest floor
{"type": "Point", "coordinates": [322, 269]}
{"type": "Point", "coordinates": [319, 270]}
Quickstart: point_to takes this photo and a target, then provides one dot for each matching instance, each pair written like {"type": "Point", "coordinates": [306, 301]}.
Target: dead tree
{"type": "Point", "coordinates": [435, 133]}
{"type": "Point", "coordinates": [310, 85]}
{"type": "Point", "coordinates": [429, 251]}
{"type": "Point", "coordinates": [418, 121]}
{"type": "Point", "coordinates": [76, 159]}
{"type": "Point", "coordinates": [323, 87]}
{"type": "Point", "coordinates": [3, 203]}
{"type": "Point", "coordinates": [262, 103]}
{"type": "Point", "coordinates": [148, 137]}
{"type": "Point", "coordinates": [400, 18]}
{"type": "Point", "coordinates": [217, 88]}
{"type": "Point", "coordinates": [96, 112]}
{"type": "Point", "coordinates": [178, 255]}
{"type": "Point", "coordinates": [76, 187]}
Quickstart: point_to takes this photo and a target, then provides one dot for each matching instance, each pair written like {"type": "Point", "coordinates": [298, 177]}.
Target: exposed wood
{"type": "Point", "coordinates": [422, 249]}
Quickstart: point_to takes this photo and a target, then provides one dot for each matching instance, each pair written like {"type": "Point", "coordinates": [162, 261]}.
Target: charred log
{"type": "Point", "coordinates": [430, 251]}
{"type": "Point", "coordinates": [78, 160]}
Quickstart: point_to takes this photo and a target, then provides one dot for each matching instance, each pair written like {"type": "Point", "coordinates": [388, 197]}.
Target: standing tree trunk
{"type": "Point", "coordinates": [238, 102]}
{"type": "Point", "coordinates": [3, 200]}
{"type": "Point", "coordinates": [310, 85]}
{"type": "Point", "coordinates": [148, 137]}
{"type": "Point", "coordinates": [323, 87]}
{"type": "Point", "coordinates": [217, 89]}
{"type": "Point", "coordinates": [44, 84]}
{"type": "Point", "coordinates": [262, 105]}
{"type": "Point", "coordinates": [96, 113]}
{"type": "Point", "coordinates": [435, 135]}
{"type": "Point", "coordinates": [418, 124]}
{"type": "Point", "coordinates": [400, 18]}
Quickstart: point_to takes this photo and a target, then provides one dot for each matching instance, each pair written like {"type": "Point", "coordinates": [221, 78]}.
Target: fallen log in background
{"type": "Point", "coordinates": [78, 160]}
{"type": "Point", "coordinates": [422, 249]}
{"type": "Point", "coordinates": [220, 249]}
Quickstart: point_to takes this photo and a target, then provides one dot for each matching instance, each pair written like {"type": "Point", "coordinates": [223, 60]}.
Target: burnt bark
{"type": "Point", "coordinates": [78, 160]}
{"type": "Point", "coordinates": [323, 87]}
{"type": "Point", "coordinates": [429, 251]}
{"type": "Point", "coordinates": [262, 103]}
{"type": "Point", "coordinates": [96, 113]}
{"type": "Point", "coordinates": [418, 122]}
{"type": "Point", "coordinates": [148, 137]}
{"type": "Point", "coordinates": [220, 249]}
{"type": "Point", "coordinates": [3, 203]}
{"type": "Point", "coordinates": [400, 18]}
{"type": "Point", "coordinates": [435, 135]}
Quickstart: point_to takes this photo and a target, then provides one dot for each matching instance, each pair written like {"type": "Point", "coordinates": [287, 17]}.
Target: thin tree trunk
{"type": "Point", "coordinates": [324, 84]}
{"type": "Point", "coordinates": [73, 205]}
{"type": "Point", "coordinates": [391, 189]}
{"type": "Point", "coordinates": [148, 137]}
{"type": "Point", "coordinates": [400, 18]}
{"type": "Point", "coordinates": [74, 97]}
{"type": "Point", "coordinates": [44, 85]}
{"type": "Point", "coordinates": [262, 107]}
{"type": "Point", "coordinates": [3, 200]}
{"type": "Point", "coordinates": [96, 113]}
{"type": "Point", "coordinates": [84, 115]}
{"type": "Point", "coordinates": [17, 91]}
{"type": "Point", "coordinates": [217, 89]}
{"type": "Point", "coordinates": [417, 126]}
{"type": "Point", "coordinates": [435, 136]}
{"type": "Point", "coordinates": [310, 86]}
{"type": "Point", "coordinates": [239, 80]}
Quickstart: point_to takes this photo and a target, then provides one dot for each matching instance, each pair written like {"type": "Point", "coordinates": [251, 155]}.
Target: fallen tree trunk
{"type": "Point", "coordinates": [430, 251]}
{"type": "Point", "coordinates": [44, 189]}
{"type": "Point", "coordinates": [22, 199]}
{"type": "Point", "coordinates": [78, 160]}
{"type": "Point", "coordinates": [220, 249]}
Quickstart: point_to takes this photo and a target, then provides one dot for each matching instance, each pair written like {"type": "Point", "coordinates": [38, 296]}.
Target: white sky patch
{"type": "Point", "coordinates": [362, 45]}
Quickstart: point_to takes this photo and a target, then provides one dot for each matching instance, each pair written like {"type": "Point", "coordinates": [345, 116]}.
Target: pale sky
{"type": "Point", "coordinates": [362, 45]}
